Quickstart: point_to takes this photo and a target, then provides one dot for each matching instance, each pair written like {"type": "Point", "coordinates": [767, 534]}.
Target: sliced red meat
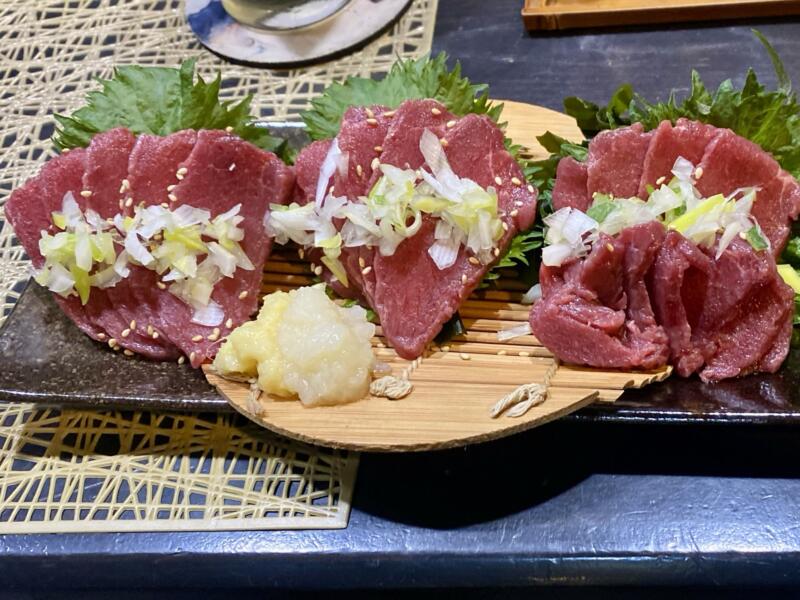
{"type": "Point", "coordinates": [570, 188]}
{"type": "Point", "coordinates": [105, 176]}
{"type": "Point", "coordinates": [687, 139]}
{"type": "Point", "coordinates": [361, 137]}
{"type": "Point", "coordinates": [221, 171]}
{"type": "Point", "coordinates": [409, 278]}
{"type": "Point", "coordinates": [678, 282]}
{"type": "Point", "coordinates": [597, 311]}
{"type": "Point", "coordinates": [744, 317]}
{"type": "Point", "coordinates": [616, 161]}
{"type": "Point", "coordinates": [731, 162]}
{"type": "Point", "coordinates": [29, 211]}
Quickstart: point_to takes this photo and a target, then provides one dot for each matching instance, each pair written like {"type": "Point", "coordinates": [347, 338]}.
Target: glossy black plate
{"type": "Point", "coordinates": [44, 358]}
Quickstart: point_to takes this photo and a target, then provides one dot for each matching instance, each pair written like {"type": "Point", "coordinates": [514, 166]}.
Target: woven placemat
{"type": "Point", "coordinates": [110, 471]}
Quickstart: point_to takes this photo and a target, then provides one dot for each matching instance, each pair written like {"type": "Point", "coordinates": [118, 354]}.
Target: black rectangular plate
{"type": "Point", "coordinates": [44, 358]}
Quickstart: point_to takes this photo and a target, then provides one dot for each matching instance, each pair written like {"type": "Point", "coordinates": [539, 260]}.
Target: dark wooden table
{"type": "Point", "coordinates": [575, 504]}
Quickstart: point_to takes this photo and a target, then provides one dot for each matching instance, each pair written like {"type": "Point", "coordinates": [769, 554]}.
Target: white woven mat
{"type": "Point", "coordinates": [88, 471]}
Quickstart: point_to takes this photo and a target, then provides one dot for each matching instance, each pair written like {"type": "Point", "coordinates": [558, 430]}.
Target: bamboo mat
{"type": "Point", "coordinates": [109, 471]}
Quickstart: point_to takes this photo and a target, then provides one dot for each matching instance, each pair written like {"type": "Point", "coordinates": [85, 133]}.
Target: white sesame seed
{"type": "Point", "coordinates": [161, 286]}
{"type": "Point", "coordinates": [518, 203]}
{"type": "Point", "coordinates": [464, 356]}
{"type": "Point", "coordinates": [378, 149]}
{"type": "Point", "coordinates": [524, 353]}
{"type": "Point", "coordinates": [464, 278]}
{"type": "Point", "coordinates": [698, 172]}
{"type": "Point", "coordinates": [451, 124]}
{"type": "Point", "coordinates": [178, 176]}
{"type": "Point", "coordinates": [609, 247]}
{"type": "Point", "coordinates": [366, 270]}
{"type": "Point", "coordinates": [232, 167]}
{"type": "Point", "coordinates": [216, 331]}
{"type": "Point", "coordinates": [172, 187]}
{"type": "Point", "coordinates": [229, 128]}
{"type": "Point", "coordinates": [514, 213]}
{"type": "Point", "coordinates": [301, 253]}
{"type": "Point", "coordinates": [149, 330]}
{"type": "Point", "coordinates": [369, 112]}
{"type": "Point", "coordinates": [229, 323]}
{"type": "Point", "coordinates": [172, 198]}
{"type": "Point", "coordinates": [743, 235]}
{"type": "Point", "coordinates": [372, 121]}
{"type": "Point", "coordinates": [127, 352]}
{"type": "Point", "coordinates": [375, 164]}
{"type": "Point", "coordinates": [129, 202]}
{"type": "Point", "coordinates": [660, 180]}
{"type": "Point", "coordinates": [498, 180]}
{"type": "Point", "coordinates": [213, 337]}
{"type": "Point", "coordinates": [389, 114]}
{"type": "Point", "coordinates": [318, 271]}
{"type": "Point", "coordinates": [332, 189]}
{"type": "Point", "coordinates": [197, 338]}
{"type": "Point", "coordinates": [436, 111]}
{"type": "Point", "coordinates": [121, 203]}
{"type": "Point", "coordinates": [313, 267]}
{"type": "Point", "coordinates": [164, 205]}
{"type": "Point", "coordinates": [192, 356]}
{"type": "Point", "coordinates": [181, 360]}
{"type": "Point", "coordinates": [86, 193]}
{"type": "Point", "coordinates": [154, 335]}
{"type": "Point", "coordinates": [359, 170]}
{"type": "Point", "coordinates": [505, 226]}
{"type": "Point", "coordinates": [516, 181]}
{"type": "Point", "coordinates": [361, 262]}
{"type": "Point", "coordinates": [474, 260]}
{"type": "Point", "coordinates": [112, 342]}
{"type": "Point", "coordinates": [126, 333]}
{"type": "Point", "coordinates": [496, 251]}
{"type": "Point", "coordinates": [101, 336]}
{"type": "Point", "coordinates": [443, 142]}
{"type": "Point", "coordinates": [501, 353]}
{"type": "Point", "coordinates": [530, 189]}
{"type": "Point", "coordinates": [132, 324]}
{"type": "Point", "coordinates": [243, 295]}
{"type": "Point", "coordinates": [182, 171]}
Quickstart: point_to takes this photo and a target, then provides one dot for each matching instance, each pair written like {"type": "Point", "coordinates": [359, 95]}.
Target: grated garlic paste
{"type": "Point", "coordinates": [303, 344]}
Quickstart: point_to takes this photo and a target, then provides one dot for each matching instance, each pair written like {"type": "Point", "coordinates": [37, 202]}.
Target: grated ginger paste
{"type": "Point", "coordinates": [303, 344]}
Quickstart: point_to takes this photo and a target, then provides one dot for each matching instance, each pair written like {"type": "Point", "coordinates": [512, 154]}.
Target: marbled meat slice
{"type": "Point", "coordinates": [597, 312]}
{"type": "Point", "coordinates": [106, 177]}
{"type": "Point", "coordinates": [731, 162]}
{"type": "Point", "coordinates": [570, 188]}
{"type": "Point", "coordinates": [616, 161]}
{"type": "Point", "coordinates": [221, 171]}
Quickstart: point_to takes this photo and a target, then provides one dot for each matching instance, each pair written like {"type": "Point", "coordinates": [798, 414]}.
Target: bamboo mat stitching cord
{"type": "Point", "coordinates": [165, 472]}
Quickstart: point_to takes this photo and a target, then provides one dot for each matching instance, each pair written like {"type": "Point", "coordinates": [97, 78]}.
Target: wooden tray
{"type": "Point", "coordinates": [570, 14]}
{"type": "Point", "coordinates": [456, 385]}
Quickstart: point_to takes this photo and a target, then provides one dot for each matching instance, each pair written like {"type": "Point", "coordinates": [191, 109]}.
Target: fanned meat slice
{"type": "Point", "coordinates": [744, 316]}
{"type": "Point", "coordinates": [616, 161]}
{"type": "Point", "coordinates": [731, 162]}
{"type": "Point", "coordinates": [152, 169]}
{"type": "Point", "coordinates": [678, 282]}
{"type": "Point", "coordinates": [361, 137]}
{"type": "Point", "coordinates": [687, 139]}
{"type": "Point", "coordinates": [221, 171]}
{"type": "Point", "coordinates": [106, 177]}
{"type": "Point", "coordinates": [29, 210]}
{"type": "Point", "coordinates": [571, 186]}
{"type": "Point", "coordinates": [391, 285]}
{"type": "Point", "coordinates": [597, 312]}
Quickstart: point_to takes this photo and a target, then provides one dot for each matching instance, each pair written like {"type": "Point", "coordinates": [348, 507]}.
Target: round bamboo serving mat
{"type": "Point", "coordinates": [455, 385]}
